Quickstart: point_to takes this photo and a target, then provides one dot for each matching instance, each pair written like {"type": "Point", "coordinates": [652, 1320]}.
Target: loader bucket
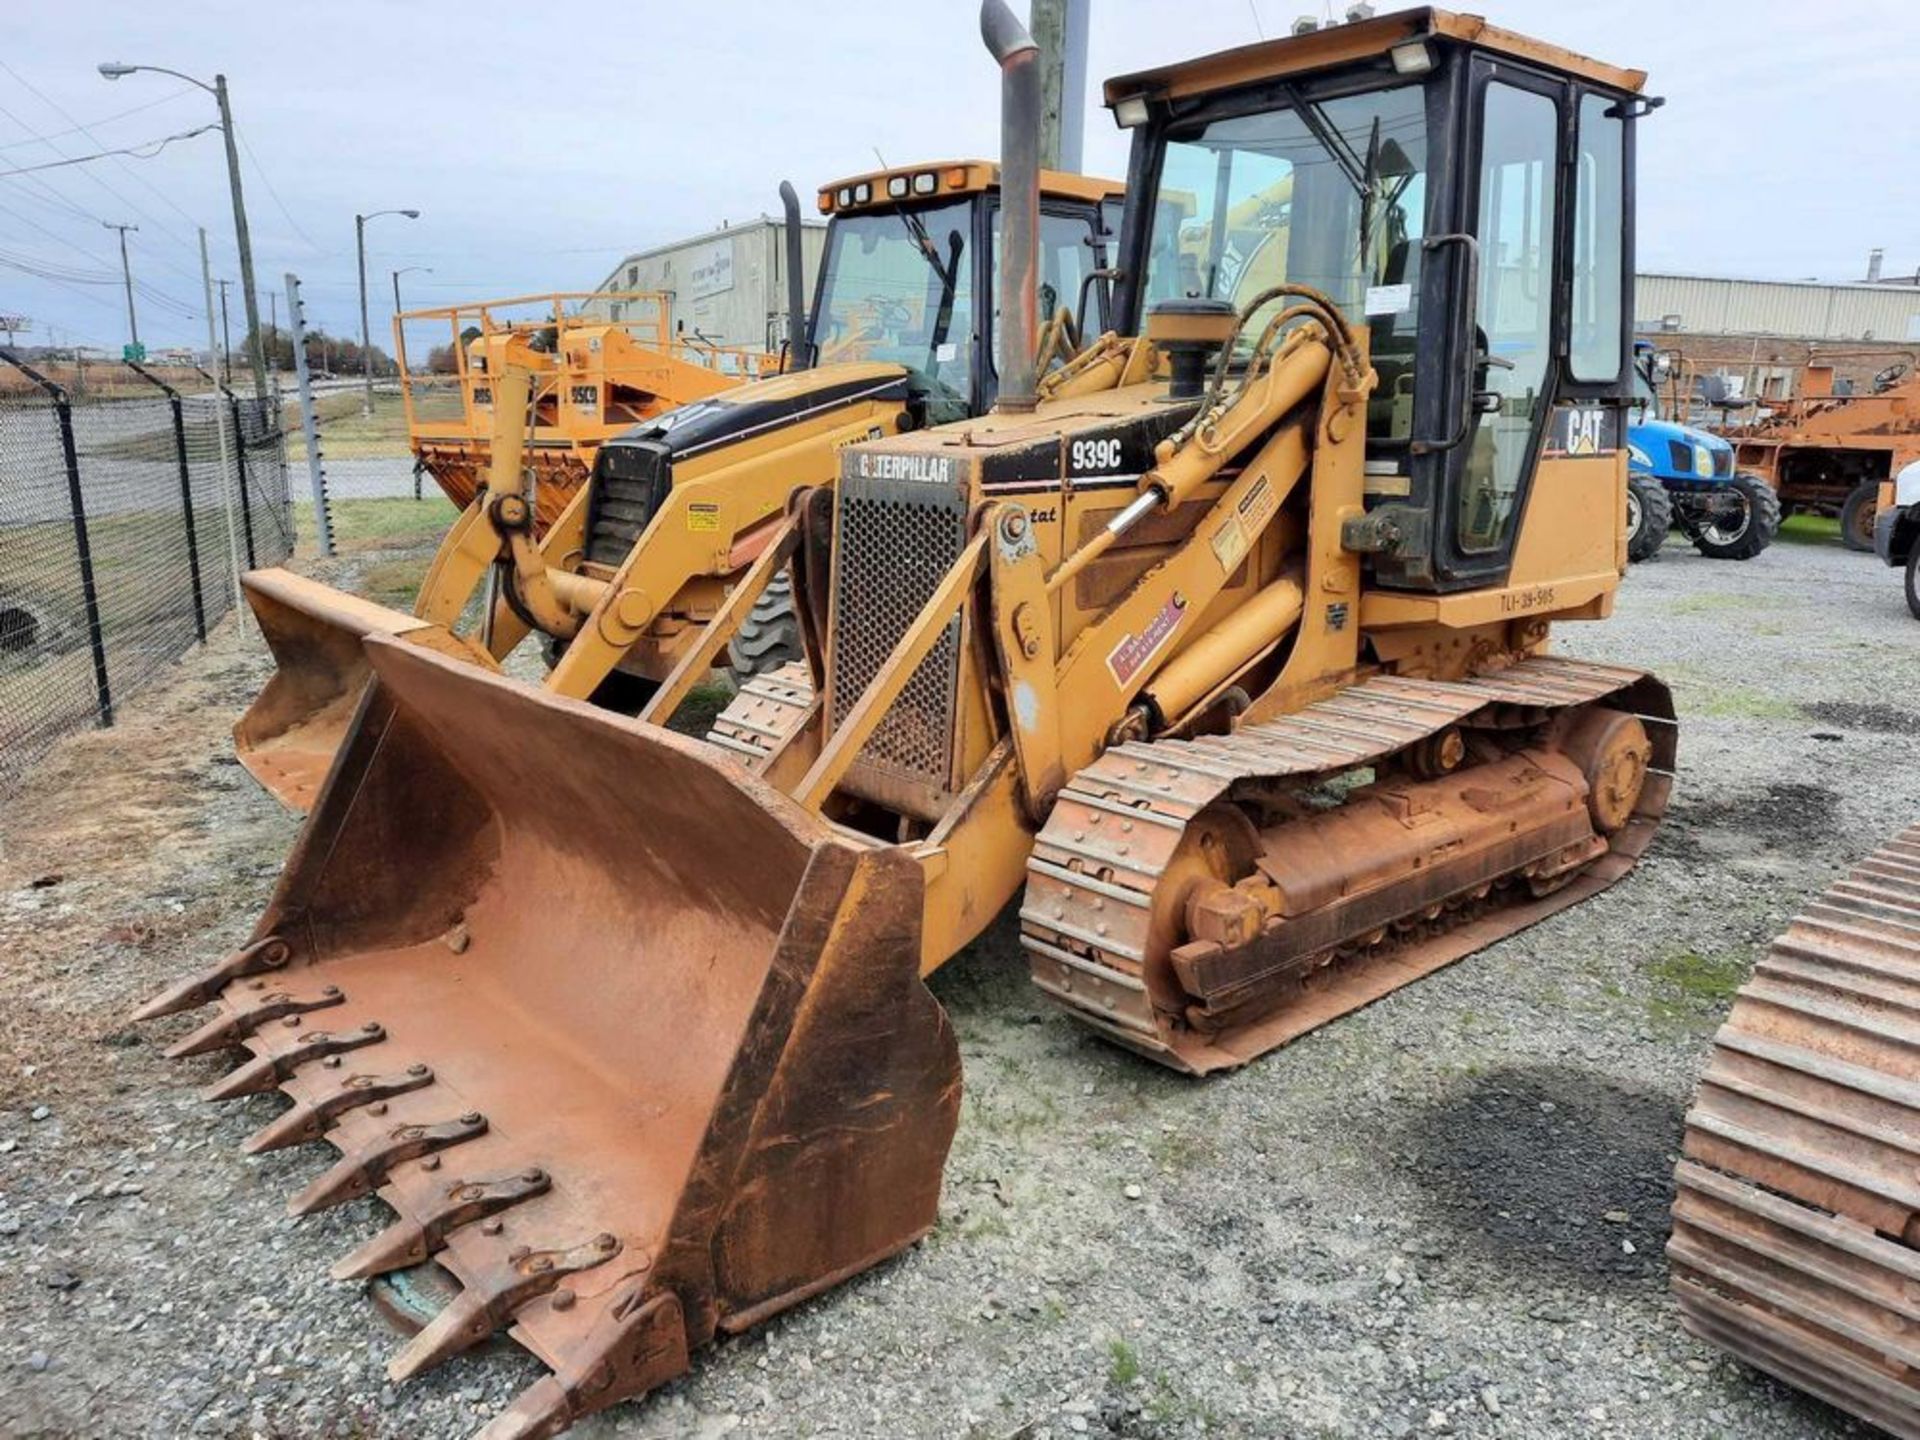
{"type": "Point", "coordinates": [635, 1046]}
{"type": "Point", "coordinates": [290, 733]}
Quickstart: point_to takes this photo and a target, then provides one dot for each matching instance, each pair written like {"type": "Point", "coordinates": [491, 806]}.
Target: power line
{"type": "Point", "coordinates": [59, 110]}
{"type": "Point", "coordinates": [104, 120]}
{"type": "Point", "coordinates": [46, 189]}
{"type": "Point", "coordinates": [81, 249]}
{"type": "Point", "coordinates": [261, 171]}
{"type": "Point", "coordinates": [145, 150]}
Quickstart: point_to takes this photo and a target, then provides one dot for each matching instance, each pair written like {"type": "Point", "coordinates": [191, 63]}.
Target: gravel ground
{"type": "Point", "coordinates": [1443, 1215]}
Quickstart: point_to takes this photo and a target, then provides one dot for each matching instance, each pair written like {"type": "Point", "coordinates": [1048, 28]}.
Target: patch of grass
{"type": "Point", "coordinates": [393, 583]}
{"type": "Point", "coordinates": [1691, 992]}
{"type": "Point", "coordinates": [1810, 530]}
{"type": "Point", "coordinates": [1123, 1363]}
{"type": "Point", "coordinates": [984, 1225]}
{"type": "Point", "coordinates": [381, 524]}
{"type": "Point", "coordinates": [1735, 704]}
{"type": "Point", "coordinates": [347, 434]}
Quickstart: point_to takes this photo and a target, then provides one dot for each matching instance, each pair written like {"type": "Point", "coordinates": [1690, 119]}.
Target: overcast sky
{"type": "Point", "coordinates": [541, 142]}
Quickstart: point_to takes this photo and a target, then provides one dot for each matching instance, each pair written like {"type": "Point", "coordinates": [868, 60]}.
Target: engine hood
{"type": "Point", "coordinates": [761, 404]}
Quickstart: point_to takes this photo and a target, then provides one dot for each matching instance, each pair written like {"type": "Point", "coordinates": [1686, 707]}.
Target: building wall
{"type": "Point", "coordinates": [727, 286]}
{"type": "Point", "coordinates": [1763, 333]}
{"type": "Point", "coordinates": [1872, 313]}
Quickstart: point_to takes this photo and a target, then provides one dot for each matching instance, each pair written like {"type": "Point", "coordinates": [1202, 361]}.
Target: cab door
{"type": "Point", "coordinates": [1545, 204]}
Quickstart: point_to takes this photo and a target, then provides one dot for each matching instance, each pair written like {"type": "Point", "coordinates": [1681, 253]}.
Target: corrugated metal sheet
{"type": "Point", "coordinates": [728, 285]}
{"type": "Point", "coordinates": [1806, 311]}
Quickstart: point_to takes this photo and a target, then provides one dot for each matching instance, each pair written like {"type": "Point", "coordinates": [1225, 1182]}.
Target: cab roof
{"type": "Point", "coordinates": [1342, 44]}
{"type": "Point", "coordinates": [955, 177]}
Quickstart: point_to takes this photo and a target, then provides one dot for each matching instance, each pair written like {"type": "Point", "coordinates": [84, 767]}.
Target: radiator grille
{"type": "Point", "coordinates": [897, 541]}
{"type": "Point", "coordinates": [630, 483]}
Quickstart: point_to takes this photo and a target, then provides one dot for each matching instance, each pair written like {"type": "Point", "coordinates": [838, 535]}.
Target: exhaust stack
{"type": "Point", "coordinates": [799, 352]}
{"type": "Point", "coordinates": [1018, 56]}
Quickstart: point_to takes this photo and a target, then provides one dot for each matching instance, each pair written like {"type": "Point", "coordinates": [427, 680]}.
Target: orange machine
{"type": "Point", "coordinates": [595, 376]}
{"type": "Point", "coordinates": [1828, 454]}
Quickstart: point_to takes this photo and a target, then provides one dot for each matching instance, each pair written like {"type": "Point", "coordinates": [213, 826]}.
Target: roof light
{"type": "Point", "coordinates": [925, 183]}
{"type": "Point", "coordinates": [862, 193]}
{"type": "Point", "coordinates": [1306, 25]}
{"type": "Point", "coordinates": [896, 186]}
{"type": "Point", "coordinates": [1130, 112]}
{"type": "Point", "coordinates": [845, 197]}
{"type": "Point", "coordinates": [826, 202]}
{"type": "Point", "coordinates": [957, 178]}
{"type": "Point", "coordinates": [1411, 57]}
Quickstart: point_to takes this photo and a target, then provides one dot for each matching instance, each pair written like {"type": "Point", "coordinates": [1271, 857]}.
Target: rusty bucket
{"type": "Point", "coordinates": [635, 1047]}
{"type": "Point", "coordinates": [289, 735]}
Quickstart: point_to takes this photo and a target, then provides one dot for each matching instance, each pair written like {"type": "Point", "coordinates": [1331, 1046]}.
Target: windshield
{"type": "Point", "coordinates": [1328, 193]}
{"type": "Point", "coordinates": [899, 287]}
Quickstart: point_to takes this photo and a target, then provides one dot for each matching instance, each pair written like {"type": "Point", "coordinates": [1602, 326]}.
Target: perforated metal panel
{"type": "Point", "coordinates": [897, 541]}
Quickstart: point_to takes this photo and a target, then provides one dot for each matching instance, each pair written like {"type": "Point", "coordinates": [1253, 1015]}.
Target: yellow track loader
{"type": "Point", "coordinates": [637, 561]}
{"type": "Point", "coordinates": [1223, 651]}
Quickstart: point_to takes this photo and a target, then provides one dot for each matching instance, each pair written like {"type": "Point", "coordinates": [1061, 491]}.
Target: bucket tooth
{"type": "Point", "coordinates": [230, 1028]}
{"type": "Point", "coordinates": [271, 953]}
{"type": "Point", "coordinates": [636, 1348]}
{"type": "Point", "coordinates": [308, 1120]}
{"type": "Point", "coordinates": [263, 1072]}
{"type": "Point", "coordinates": [409, 1241]}
{"type": "Point", "coordinates": [361, 1172]}
{"type": "Point", "coordinates": [485, 1305]}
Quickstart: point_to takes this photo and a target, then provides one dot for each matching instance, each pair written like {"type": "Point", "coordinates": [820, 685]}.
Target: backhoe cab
{"type": "Point", "coordinates": [1223, 647]}
{"type": "Point", "coordinates": [676, 509]}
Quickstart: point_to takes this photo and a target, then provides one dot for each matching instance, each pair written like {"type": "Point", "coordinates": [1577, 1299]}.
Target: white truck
{"type": "Point", "coordinates": [1896, 529]}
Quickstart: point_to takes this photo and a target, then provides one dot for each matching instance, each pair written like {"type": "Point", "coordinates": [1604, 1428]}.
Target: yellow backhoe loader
{"type": "Point", "coordinates": [675, 509]}
{"type": "Point", "coordinates": [1224, 649]}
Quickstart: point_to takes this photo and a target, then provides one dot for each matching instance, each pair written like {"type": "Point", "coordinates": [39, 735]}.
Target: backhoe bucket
{"type": "Point", "coordinates": [291, 732]}
{"type": "Point", "coordinates": [635, 1046]}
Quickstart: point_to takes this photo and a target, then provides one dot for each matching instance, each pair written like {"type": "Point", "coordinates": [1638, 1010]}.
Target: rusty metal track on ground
{"type": "Point", "coordinates": [768, 708]}
{"type": "Point", "coordinates": [1796, 1226]}
{"type": "Point", "coordinates": [1088, 912]}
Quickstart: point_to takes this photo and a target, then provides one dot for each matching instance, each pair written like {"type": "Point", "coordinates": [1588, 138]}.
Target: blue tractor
{"type": "Point", "coordinates": [1677, 475]}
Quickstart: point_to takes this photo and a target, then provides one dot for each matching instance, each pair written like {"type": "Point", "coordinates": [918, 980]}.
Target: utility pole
{"type": "Point", "coordinates": [1060, 30]}
{"type": "Point", "coordinates": [226, 335]}
{"type": "Point", "coordinates": [126, 273]}
{"type": "Point", "coordinates": [255, 350]}
{"type": "Point", "coordinates": [227, 468]}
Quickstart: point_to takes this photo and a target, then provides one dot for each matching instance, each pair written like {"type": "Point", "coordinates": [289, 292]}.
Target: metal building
{"type": "Point", "coordinates": [728, 286]}
{"type": "Point", "coordinates": [1805, 310]}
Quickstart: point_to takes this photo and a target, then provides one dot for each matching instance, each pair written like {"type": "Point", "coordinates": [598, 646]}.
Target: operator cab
{"type": "Point", "coordinates": [911, 256]}
{"type": "Point", "coordinates": [1453, 187]}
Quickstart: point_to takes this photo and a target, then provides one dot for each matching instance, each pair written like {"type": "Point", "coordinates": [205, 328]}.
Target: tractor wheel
{"type": "Point", "coordinates": [1856, 516]}
{"type": "Point", "coordinates": [1649, 517]}
{"type": "Point", "coordinates": [1913, 580]}
{"type": "Point", "coordinates": [1745, 533]}
{"type": "Point", "coordinates": [770, 636]}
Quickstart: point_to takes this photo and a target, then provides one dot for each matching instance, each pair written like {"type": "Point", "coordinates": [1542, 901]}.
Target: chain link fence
{"type": "Point", "coordinates": [120, 523]}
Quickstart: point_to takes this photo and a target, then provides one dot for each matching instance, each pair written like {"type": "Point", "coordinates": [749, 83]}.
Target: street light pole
{"type": "Point", "coordinates": [126, 273]}
{"type": "Point", "coordinates": [114, 70]}
{"type": "Point", "coordinates": [366, 337]}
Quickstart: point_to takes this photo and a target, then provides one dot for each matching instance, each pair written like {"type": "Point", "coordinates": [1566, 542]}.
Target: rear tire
{"type": "Point", "coordinates": [1649, 517]}
{"type": "Point", "coordinates": [770, 636]}
{"type": "Point", "coordinates": [1754, 530]}
{"type": "Point", "coordinates": [1913, 579]}
{"type": "Point", "coordinates": [1856, 516]}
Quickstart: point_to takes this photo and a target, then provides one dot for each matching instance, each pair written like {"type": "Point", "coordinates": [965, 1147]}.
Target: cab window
{"type": "Point", "coordinates": [1518, 209]}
